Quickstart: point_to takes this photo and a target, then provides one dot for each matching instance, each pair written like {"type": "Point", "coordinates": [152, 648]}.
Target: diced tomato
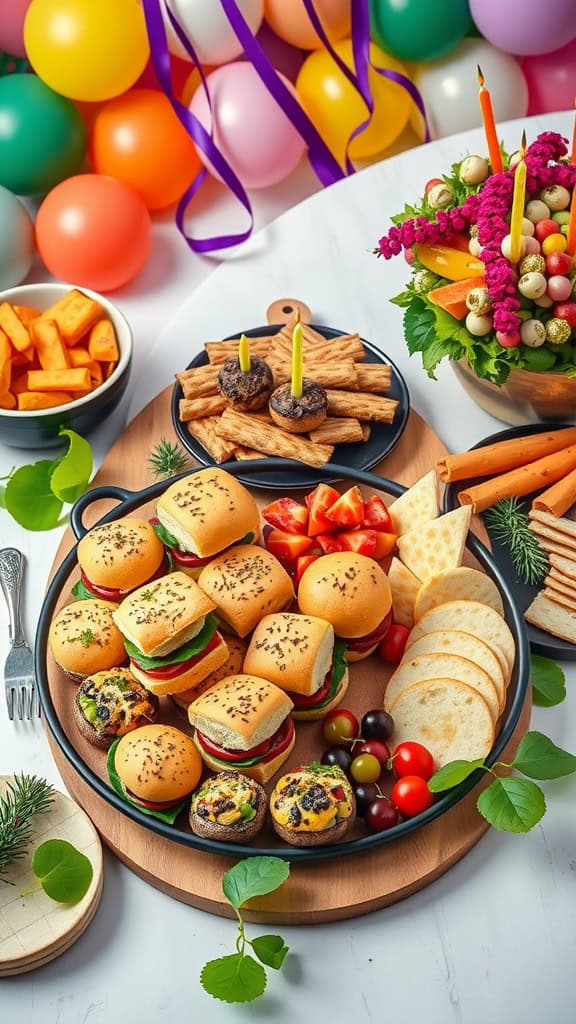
{"type": "Point", "coordinates": [302, 564]}
{"type": "Point", "coordinates": [376, 515]}
{"type": "Point", "coordinates": [287, 547]}
{"type": "Point", "coordinates": [319, 501]}
{"type": "Point", "coordinates": [286, 514]}
{"type": "Point", "coordinates": [363, 542]}
{"type": "Point", "coordinates": [328, 543]}
{"type": "Point", "coordinates": [348, 510]}
{"type": "Point", "coordinates": [385, 544]}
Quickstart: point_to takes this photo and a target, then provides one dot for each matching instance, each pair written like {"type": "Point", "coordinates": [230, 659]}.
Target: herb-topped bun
{"type": "Point", "coordinates": [158, 766]}
{"type": "Point", "coordinates": [312, 806]}
{"type": "Point", "coordinates": [84, 639]}
{"type": "Point", "coordinates": [243, 724]}
{"type": "Point", "coordinates": [228, 807]}
{"type": "Point", "coordinates": [201, 515]}
{"type": "Point", "coordinates": [117, 557]}
{"type": "Point", "coordinates": [110, 704]}
{"type": "Point", "coordinates": [296, 652]}
{"type": "Point", "coordinates": [170, 635]}
{"type": "Point", "coordinates": [245, 583]}
{"type": "Point", "coordinates": [353, 593]}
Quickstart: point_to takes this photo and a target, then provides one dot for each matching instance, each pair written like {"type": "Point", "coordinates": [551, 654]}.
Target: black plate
{"type": "Point", "coordinates": [383, 438]}
{"type": "Point", "coordinates": [540, 642]}
{"type": "Point", "coordinates": [132, 500]}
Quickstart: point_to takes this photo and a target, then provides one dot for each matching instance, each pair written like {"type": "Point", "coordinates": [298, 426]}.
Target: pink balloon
{"type": "Point", "coordinates": [551, 79]}
{"type": "Point", "coordinates": [11, 26]}
{"type": "Point", "coordinates": [250, 129]}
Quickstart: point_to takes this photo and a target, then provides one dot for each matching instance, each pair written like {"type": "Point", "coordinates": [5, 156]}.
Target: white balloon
{"type": "Point", "coordinates": [208, 28]}
{"type": "Point", "coordinates": [449, 87]}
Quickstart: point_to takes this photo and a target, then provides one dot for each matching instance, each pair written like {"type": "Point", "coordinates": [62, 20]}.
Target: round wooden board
{"type": "Point", "coordinates": [33, 928]}
{"type": "Point", "coordinates": [316, 891]}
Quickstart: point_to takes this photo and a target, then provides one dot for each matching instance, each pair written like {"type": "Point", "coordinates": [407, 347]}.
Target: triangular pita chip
{"type": "Point", "coordinates": [416, 506]}
{"type": "Point", "coordinates": [436, 545]}
{"type": "Point", "coordinates": [404, 586]}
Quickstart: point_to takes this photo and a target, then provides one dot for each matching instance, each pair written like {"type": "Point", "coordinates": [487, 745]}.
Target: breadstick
{"type": "Point", "coordinates": [204, 430]}
{"type": "Point", "coordinates": [246, 454]}
{"type": "Point", "coordinates": [337, 431]}
{"type": "Point", "coordinates": [220, 351]}
{"type": "Point", "coordinates": [520, 481]}
{"type": "Point", "coordinates": [375, 377]}
{"type": "Point", "coordinates": [251, 433]}
{"type": "Point", "coordinates": [364, 406]}
{"type": "Point", "coordinates": [328, 375]}
{"type": "Point", "coordinates": [504, 455]}
{"type": "Point", "coordinates": [196, 408]}
{"type": "Point", "coordinates": [559, 498]}
{"type": "Point", "coordinates": [200, 388]}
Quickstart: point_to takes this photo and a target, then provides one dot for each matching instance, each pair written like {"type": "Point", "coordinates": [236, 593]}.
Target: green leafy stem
{"type": "Point", "coordinates": [509, 803]}
{"type": "Point", "coordinates": [239, 978]}
{"type": "Point", "coordinates": [35, 494]}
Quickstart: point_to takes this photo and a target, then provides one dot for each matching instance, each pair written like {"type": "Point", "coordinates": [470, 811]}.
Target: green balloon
{"type": "Point", "coordinates": [42, 136]}
{"type": "Point", "coordinates": [419, 30]}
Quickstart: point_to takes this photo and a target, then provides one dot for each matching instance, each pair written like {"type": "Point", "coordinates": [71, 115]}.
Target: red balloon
{"type": "Point", "coordinates": [94, 231]}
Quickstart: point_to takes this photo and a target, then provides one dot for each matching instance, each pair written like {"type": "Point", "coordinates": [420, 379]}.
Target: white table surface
{"type": "Point", "coordinates": [492, 940]}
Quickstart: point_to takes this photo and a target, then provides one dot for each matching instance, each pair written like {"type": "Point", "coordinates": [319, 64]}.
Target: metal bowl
{"type": "Point", "coordinates": [526, 397]}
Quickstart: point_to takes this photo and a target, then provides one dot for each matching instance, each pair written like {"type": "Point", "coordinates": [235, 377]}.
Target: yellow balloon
{"type": "Point", "coordinates": [87, 50]}
{"type": "Point", "coordinates": [336, 108]}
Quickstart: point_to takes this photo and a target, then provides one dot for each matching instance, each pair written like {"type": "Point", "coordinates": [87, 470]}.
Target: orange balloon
{"type": "Point", "coordinates": [93, 230]}
{"type": "Point", "coordinates": [138, 139]}
{"type": "Point", "coordinates": [289, 20]}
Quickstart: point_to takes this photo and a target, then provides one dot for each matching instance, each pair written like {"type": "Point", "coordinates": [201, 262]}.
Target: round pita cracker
{"type": "Point", "coordinates": [455, 641]}
{"type": "Point", "coordinates": [439, 666]}
{"type": "Point", "coordinates": [457, 584]}
{"type": "Point", "coordinates": [472, 617]}
{"type": "Point", "coordinates": [449, 718]}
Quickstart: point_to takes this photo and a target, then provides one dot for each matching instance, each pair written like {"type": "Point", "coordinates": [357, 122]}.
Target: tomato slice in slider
{"type": "Point", "coordinates": [362, 643]}
{"type": "Point", "coordinates": [179, 667]}
{"type": "Point", "coordinates": [264, 751]}
{"type": "Point", "coordinates": [110, 593]}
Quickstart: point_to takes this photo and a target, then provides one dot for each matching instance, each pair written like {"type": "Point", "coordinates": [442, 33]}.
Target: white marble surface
{"type": "Point", "coordinates": [495, 938]}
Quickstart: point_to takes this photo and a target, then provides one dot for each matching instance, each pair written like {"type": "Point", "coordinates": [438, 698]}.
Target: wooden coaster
{"type": "Point", "coordinates": [34, 929]}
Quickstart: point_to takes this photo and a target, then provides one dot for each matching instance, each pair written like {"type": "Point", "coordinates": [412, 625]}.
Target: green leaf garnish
{"type": "Point", "coordinates": [270, 950]}
{"type": "Point", "coordinates": [164, 535]}
{"type": "Point", "coordinates": [167, 459]}
{"type": "Point", "coordinates": [247, 812]}
{"type": "Point", "coordinates": [512, 804]}
{"type": "Point", "coordinates": [452, 774]}
{"type": "Point", "coordinates": [548, 681]}
{"type": "Point", "coordinates": [72, 474]}
{"type": "Point", "coordinates": [239, 978]}
{"type": "Point", "coordinates": [234, 979]}
{"type": "Point", "coordinates": [24, 798]}
{"type": "Point", "coordinates": [509, 525]}
{"type": "Point", "coordinates": [81, 592]}
{"type": "Point", "coordinates": [29, 497]}
{"type": "Point", "coordinates": [168, 815]}
{"type": "Point", "coordinates": [188, 650]}
{"type": "Point", "coordinates": [65, 874]}
{"type": "Point", "coordinates": [539, 758]}
{"type": "Point", "coordinates": [89, 708]}
{"type": "Point", "coordinates": [255, 876]}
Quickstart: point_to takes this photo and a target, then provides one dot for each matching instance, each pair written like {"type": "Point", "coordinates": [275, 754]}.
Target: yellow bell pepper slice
{"type": "Point", "coordinates": [452, 264]}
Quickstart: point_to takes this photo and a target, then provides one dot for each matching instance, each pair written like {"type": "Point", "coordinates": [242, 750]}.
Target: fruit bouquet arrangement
{"type": "Point", "coordinates": [493, 268]}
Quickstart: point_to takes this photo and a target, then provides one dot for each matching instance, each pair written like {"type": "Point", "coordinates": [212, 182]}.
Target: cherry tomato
{"type": "Point", "coordinates": [337, 756]}
{"type": "Point", "coordinates": [380, 815]}
{"type": "Point", "coordinates": [431, 183]}
{"type": "Point", "coordinates": [365, 768]}
{"type": "Point", "coordinates": [375, 747]}
{"type": "Point", "coordinates": [340, 724]}
{"type": "Point", "coordinates": [411, 795]}
{"type": "Point", "coordinates": [365, 793]}
{"type": "Point", "coordinates": [393, 645]}
{"type": "Point", "coordinates": [411, 758]}
{"type": "Point", "coordinates": [377, 725]}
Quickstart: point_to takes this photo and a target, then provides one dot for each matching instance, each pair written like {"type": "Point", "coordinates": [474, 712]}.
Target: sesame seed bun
{"type": "Point", "coordinates": [208, 511]}
{"type": "Point", "coordinates": [240, 712]}
{"type": "Point", "coordinates": [164, 614]}
{"type": "Point", "coordinates": [246, 582]}
{"type": "Point", "coordinates": [293, 651]}
{"type": "Point", "coordinates": [158, 763]}
{"type": "Point", "coordinates": [232, 665]}
{"type": "Point", "coordinates": [120, 555]}
{"type": "Point", "coordinates": [351, 591]}
{"type": "Point", "coordinates": [85, 639]}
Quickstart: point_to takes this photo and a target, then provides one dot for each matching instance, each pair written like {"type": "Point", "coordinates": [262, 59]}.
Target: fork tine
{"type": "Point", "coordinates": [10, 696]}
{"type": "Point", "coordinates": [36, 700]}
{"type": "Point", "coordinates": [22, 694]}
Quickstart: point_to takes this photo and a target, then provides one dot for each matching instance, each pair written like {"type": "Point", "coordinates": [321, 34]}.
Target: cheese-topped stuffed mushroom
{"type": "Point", "coordinates": [228, 807]}
{"type": "Point", "coordinates": [111, 704]}
{"type": "Point", "coordinates": [312, 805]}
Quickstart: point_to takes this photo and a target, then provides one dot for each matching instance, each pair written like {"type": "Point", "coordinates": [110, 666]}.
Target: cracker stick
{"type": "Point", "coordinates": [364, 406]}
{"type": "Point", "coordinates": [14, 328]}
{"type": "Point", "coordinates": [328, 375]}
{"type": "Point", "coordinates": [200, 388]}
{"type": "Point", "coordinates": [251, 433]}
{"type": "Point", "coordinates": [196, 408]}
{"type": "Point", "coordinates": [75, 313]}
{"type": "Point", "coordinates": [220, 351]}
{"type": "Point", "coordinates": [340, 348]}
{"type": "Point", "coordinates": [366, 431]}
{"type": "Point", "coordinates": [51, 350]}
{"type": "Point", "coordinates": [309, 335]}
{"type": "Point", "coordinates": [246, 454]}
{"type": "Point", "coordinates": [337, 431]}
{"type": "Point", "coordinates": [204, 430]}
{"type": "Point", "coordinates": [102, 344]}
{"type": "Point", "coordinates": [374, 377]}
{"type": "Point", "coordinates": [206, 372]}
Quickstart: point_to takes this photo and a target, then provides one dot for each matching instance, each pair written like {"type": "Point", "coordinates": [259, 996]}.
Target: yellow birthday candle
{"type": "Point", "coordinates": [518, 205]}
{"type": "Point", "coordinates": [244, 354]}
{"type": "Point", "coordinates": [296, 388]}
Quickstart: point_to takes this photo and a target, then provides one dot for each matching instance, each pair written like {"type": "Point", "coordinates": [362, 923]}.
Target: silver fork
{"type": "Point", "coordinates": [19, 680]}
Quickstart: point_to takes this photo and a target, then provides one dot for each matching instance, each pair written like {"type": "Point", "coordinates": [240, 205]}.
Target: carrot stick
{"type": "Point", "coordinates": [497, 458]}
{"type": "Point", "coordinates": [520, 481]}
{"type": "Point", "coordinates": [558, 498]}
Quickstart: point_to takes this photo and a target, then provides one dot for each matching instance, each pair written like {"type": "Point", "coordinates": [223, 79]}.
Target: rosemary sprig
{"type": "Point", "coordinates": [27, 796]}
{"type": "Point", "coordinates": [510, 526]}
{"type": "Point", "coordinates": [167, 459]}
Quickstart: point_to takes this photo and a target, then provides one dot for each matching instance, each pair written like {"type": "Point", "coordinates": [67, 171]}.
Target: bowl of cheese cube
{"type": "Point", "coordinates": [65, 359]}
